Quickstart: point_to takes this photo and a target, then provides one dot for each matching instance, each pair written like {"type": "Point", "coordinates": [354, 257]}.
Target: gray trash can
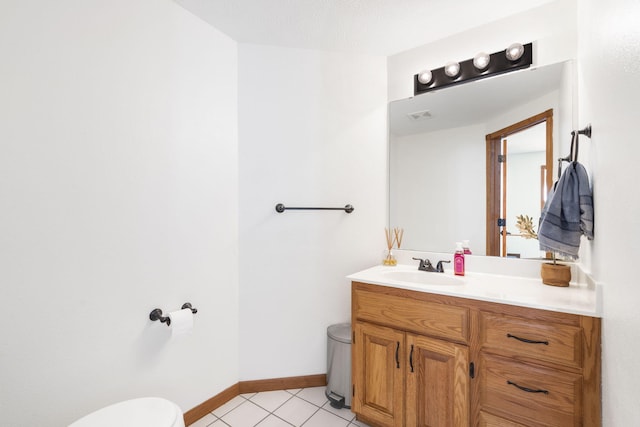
{"type": "Point", "coordinates": [339, 365]}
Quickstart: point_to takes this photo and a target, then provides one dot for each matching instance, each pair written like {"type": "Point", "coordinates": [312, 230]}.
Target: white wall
{"type": "Point", "coordinates": [312, 133]}
{"type": "Point", "coordinates": [552, 27]}
{"type": "Point", "coordinates": [609, 48]}
{"type": "Point", "coordinates": [118, 194]}
{"type": "Point", "coordinates": [438, 189]}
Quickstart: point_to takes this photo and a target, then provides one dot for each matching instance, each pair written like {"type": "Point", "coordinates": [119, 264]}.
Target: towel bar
{"type": "Point", "coordinates": [281, 208]}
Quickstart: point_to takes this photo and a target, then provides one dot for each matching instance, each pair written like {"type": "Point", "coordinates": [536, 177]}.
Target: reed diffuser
{"type": "Point", "coordinates": [388, 258]}
{"type": "Point", "coordinates": [394, 237]}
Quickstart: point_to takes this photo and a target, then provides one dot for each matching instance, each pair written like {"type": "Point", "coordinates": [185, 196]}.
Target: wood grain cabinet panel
{"type": "Point", "coordinates": [489, 420]}
{"type": "Point", "coordinates": [437, 391]}
{"type": "Point", "coordinates": [413, 314]}
{"type": "Point", "coordinates": [377, 373]}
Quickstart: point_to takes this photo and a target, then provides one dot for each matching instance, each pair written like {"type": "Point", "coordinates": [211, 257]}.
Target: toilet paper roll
{"type": "Point", "coordinates": [181, 322]}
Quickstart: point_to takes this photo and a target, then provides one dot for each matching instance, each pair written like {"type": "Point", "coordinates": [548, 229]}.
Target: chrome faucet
{"type": "Point", "coordinates": [425, 265]}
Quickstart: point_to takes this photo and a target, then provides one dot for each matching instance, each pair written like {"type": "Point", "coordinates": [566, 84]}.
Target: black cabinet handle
{"type": "Point", "coordinates": [411, 358]}
{"type": "Point", "coordinates": [527, 341]}
{"type": "Point", "coordinates": [528, 390]}
{"type": "Point", "coordinates": [397, 356]}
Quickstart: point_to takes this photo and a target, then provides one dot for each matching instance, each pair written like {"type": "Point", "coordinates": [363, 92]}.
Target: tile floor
{"type": "Point", "coordinates": [306, 407]}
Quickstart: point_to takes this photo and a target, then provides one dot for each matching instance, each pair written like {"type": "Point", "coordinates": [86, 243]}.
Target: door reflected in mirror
{"type": "Point", "coordinates": [519, 166]}
{"type": "Point", "coordinates": [438, 157]}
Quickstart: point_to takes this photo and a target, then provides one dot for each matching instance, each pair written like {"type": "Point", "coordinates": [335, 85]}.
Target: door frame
{"type": "Point", "coordinates": [493, 141]}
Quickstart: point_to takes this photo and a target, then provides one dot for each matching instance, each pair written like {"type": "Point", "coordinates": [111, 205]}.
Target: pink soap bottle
{"type": "Point", "coordinates": [458, 260]}
{"type": "Point", "coordinates": [465, 247]}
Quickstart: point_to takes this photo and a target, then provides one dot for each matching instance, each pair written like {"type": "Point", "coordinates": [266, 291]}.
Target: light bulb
{"type": "Point", "coordinates": [481, 61]}
{"type": "Point", "coordinates": [514, 52]}
{"type": "Point", "coordinates": [425, 77]}
{"type": "Point", "coordinates": [452, 69]}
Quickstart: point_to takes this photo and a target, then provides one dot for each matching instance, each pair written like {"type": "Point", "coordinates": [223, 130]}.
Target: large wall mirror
{"type": "Point", "coordinates": [438, 151]}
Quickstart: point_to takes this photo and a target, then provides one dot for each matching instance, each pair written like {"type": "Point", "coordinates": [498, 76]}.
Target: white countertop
{"type": "Point", "coordinates": [578, 298]}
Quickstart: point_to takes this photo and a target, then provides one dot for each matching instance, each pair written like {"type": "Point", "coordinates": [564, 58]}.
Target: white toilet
{"type": "Point", "coordinates": [142, 412]}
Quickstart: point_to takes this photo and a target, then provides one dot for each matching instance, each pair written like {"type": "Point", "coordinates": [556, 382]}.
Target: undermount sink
{"type": "Point", "coordinates": [423, 277]}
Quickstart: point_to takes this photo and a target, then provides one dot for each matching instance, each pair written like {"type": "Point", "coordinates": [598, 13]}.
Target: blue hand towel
{"type": "Point", "coordinates": [568, 213]}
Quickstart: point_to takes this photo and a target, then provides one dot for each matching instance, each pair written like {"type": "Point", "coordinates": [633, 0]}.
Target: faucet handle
{"type": "Point", "coordinates": [439, 267]}
{"type": "Point", "coordinates": [425, 264]}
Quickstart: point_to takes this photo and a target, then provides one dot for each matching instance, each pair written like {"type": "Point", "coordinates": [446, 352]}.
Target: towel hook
{"type": "Point", "coordinates": [575, 134]}
{"type": "Point", "coordinates": [586, 131]}
{"type": "Point", "coordinates": [575, 145]}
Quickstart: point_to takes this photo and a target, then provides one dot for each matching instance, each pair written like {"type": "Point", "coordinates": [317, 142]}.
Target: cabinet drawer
{"type": "Point", "coordinates": [488, 420]}
{"type": "Point", "coordinates": [529, 394]}
{"type": "Point", "coordinates": [415, 315]}
{"type": "Point", "coordinates": [534, 340]}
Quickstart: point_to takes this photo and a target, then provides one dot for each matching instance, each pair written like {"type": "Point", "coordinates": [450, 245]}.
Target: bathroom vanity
{"type": "Point", "coordinates": [484, 350]}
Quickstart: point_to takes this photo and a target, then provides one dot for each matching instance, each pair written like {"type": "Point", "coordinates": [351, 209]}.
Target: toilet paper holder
{"type": "Point", "coordinates": [156, 313]}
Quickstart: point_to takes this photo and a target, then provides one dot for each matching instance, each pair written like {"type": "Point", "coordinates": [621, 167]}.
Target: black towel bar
{"type": "Point", "coordinates": [281, 208]}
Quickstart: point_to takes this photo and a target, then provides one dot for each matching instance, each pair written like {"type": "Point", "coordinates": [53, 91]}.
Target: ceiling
{"type": "Point", "coordinates": [377, 27]}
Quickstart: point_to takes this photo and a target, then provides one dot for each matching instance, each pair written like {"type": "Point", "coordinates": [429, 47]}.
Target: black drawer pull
{"type": "Point", "coordinates": [528, 390]}
{"type": "Point", "coordinates": [411, 358]}
{"type": "Point", "coordinates": [397, 358]}
{"type": "Point", "coordinates": [527, 341]}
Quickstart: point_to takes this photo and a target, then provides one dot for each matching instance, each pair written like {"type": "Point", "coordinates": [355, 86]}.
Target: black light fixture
{"type": "Point", "coordinates": [515, 57]}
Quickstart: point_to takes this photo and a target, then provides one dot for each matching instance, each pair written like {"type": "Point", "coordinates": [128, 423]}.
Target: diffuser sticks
{"type": "Point", "coordinates": [398, 232]}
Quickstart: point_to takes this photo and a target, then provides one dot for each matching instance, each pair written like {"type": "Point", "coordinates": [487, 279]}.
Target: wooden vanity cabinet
{"type": "Point", "coordinates": [422, 359]}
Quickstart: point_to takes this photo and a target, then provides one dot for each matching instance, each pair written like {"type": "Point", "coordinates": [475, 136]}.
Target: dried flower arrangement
{"type": "Point", "coordinates": [552, 274]}
{"type": "Point", "coordinates": [524, 223]}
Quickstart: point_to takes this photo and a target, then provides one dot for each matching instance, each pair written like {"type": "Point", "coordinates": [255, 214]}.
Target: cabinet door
{"type": "Point", "coordinates": [378, 374]}
{"type": "Point", "coordinates": [437, 383]}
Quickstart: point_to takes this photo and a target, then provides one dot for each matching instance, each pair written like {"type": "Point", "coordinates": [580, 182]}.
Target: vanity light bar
{"type": "Point", "coordinates": [498, 64]}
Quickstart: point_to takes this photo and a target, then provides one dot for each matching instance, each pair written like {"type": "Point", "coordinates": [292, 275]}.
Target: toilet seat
{"type": "Point", "coordinates": [142, 412]}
